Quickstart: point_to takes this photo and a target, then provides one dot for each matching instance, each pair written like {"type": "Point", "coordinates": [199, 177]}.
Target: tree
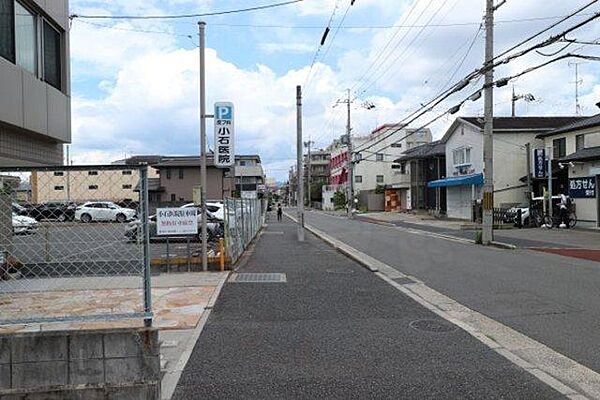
{"type": "Point", "coordinates": [339, 200]}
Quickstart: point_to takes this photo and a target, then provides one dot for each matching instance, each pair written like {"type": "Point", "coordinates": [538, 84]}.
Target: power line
{"type": "Point", "coordinates": [180, 16]}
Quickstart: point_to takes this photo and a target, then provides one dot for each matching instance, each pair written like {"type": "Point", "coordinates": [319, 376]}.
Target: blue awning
{"type": "Point", "coordinates": [476, 179]}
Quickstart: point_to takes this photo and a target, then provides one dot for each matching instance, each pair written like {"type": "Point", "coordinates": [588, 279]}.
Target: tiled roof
{"type": "Point", "coordinates": [586, 122]}
{"type": "Point", "coordinates": [437, 148]}
{"type": "Point", "coordinates": [590, 153]}
{"type": "Point", "coordinates": [524, 123]}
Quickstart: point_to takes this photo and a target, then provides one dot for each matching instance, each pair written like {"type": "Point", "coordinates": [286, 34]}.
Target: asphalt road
{"type": "Point", "coordinates": [549, 298]}
{"type": "Point", "coordinates": [336, 331]}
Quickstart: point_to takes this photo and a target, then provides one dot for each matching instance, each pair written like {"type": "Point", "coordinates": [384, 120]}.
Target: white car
{"type": "Point", "coordinates": [217, 210]}
{"type": "Point", "coordinates": [103, 211]}
{"type": "Point", "coordinates": [23, 225]}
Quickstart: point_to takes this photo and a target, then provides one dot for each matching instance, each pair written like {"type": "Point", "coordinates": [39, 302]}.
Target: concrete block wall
{"type": "Point", "coordinates": [96, 364]}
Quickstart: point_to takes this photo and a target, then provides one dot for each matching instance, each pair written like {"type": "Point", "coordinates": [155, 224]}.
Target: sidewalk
{"type": "Point", "coordinates": [332, 329]}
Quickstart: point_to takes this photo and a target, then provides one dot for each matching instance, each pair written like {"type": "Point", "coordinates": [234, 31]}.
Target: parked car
{"type": "Point", "coordinates": [23, 225]}
{"type": "Point", "coordinates": [103, 211]}
{"type": "Point", "coordinates": [213, 226]}
{"type": "Point", "coordinates": [217, 209]}
{"type": "Point", "coordinates": [18, 209]}
{"type": "Point", "coordinates": [52, 210]}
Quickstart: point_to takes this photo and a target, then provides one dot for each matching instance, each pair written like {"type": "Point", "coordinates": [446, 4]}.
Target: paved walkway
{"type": "Point", "coordinates": [335, 330]}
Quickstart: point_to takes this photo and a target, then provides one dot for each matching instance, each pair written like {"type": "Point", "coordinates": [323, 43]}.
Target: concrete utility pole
{"type": "Point", "coordinates": [488, 140]}
{"type": "Point", "coordinates": [299, 166]}
{"type": "Point", "coordinates": [309, 170]}
{"type": "Point", "coordinates": [203, 232]}
{"type": "Point", "coordinates": [350, 161]}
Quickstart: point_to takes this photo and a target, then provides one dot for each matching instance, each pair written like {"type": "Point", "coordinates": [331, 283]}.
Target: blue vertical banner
{"type": "Point", "coordinates": [224, 135]}
{"type": "Point", "coordinates": [539, 163]}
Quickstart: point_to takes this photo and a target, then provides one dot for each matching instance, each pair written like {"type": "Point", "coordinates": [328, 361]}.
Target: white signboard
{"type": "Point", "coordinates": [224, 135]}
{"type": "Point", "coordinates": [177, 221]}
{"type": "Point", "coordinates": [250, 194]}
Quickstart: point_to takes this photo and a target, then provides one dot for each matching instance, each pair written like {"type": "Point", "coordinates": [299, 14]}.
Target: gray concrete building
{"type": "Point", "coordinates": [35, 103]}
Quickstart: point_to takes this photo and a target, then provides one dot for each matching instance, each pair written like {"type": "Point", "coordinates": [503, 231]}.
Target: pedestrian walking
{"type": "Point", "coordinates": [564, 209]}
{"type": "Point", "coordinates": [279, 212]}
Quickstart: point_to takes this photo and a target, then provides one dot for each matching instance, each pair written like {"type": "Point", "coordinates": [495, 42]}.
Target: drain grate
{"type": "Point", "coordinates": [432, 325]}
{"type": "Point", "coordinates": [258, 278]}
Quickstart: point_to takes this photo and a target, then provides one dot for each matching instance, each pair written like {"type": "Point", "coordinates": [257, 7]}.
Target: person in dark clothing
{"type": "Point", "coordinates": [279, 212]}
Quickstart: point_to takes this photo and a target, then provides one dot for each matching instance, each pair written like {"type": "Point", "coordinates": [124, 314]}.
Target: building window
{"type": "Point", "coordinates": [92, 173]}
{"type": "Point", "coordinates": [59, 188]}
{"type": "Point", "coordinates": [242, 163]}
{"type": "Point", "coordinates": [169, 175]}
{"type": "Point", "coordinates": [127, 172]}
{"type": "Point", "coordinates": [180, 173]}
{"type": "Point", "coordinates": [461, 156]}
{"type": "Point", "coordinates": [52, 56]}
{"type": "Point", "coordinates": [93, 187]}
{"type": "Point", "coordinates": [181, 199]}
{"type": "Point", "coordinates": [378, 157]}
{"type": "Point", "coordinates": [403, 167]}
{"type": "Point", "coordinates": [379, 178]}
{"type": "Point", "coordinates": [173, 197]}
{"type": "Point", "coordinates": [7, 30]}
{"type": "Point", "coordinates": [25, 38]}
{"type": "Point", "coordinates": [127, 186]}
{"type": "Point", "coordinates": [358, 179]}
{"type": "Point", "coordinates": [59, 173]}
{"type": "Point", "coordinates": [397, 145]}
{"type": "Point", "coordinates": [559, 147]}
{"type": "Point", "coordinates": [579, 142]}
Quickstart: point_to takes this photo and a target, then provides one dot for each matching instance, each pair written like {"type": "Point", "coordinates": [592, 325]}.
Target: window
{"type": "Point", "coordinates": [181, 199]}
{"type": "Point", "coordinates": [579, 142]}
{"type": "Point", "coordinates": [127, 186]}
{"type": "Point", "coordinates": [242, 163]}
{"type": "Point", "coordinates": [169, 175]}
{"type": "Point", "coordinates": [403, 167]}
{"type": "Point", "coordinates": [7, 30]}
{"type": "Point", "coordinates": [378, 157]}
{"type": "Point", "coordinates": [180, 173]}
{"type": "Point", "coordinates": [127, 172]}
{"type": "Point", "coordinates": [173, 197]}
{"type": "Point", "coordinates": [397, 145]}
{"type": "Point", "coordinates": [379, 178]}
{"type": "Point", "coordinates": [92, 173]}
{"type": "Point", "coordinates": [461, 156]}
{"type": "Point", "coordinates": [358, 179]}
{"type": "Point", "coordinates": [25, 38]}
{"type": "Point", "coordinates": [52, 56]}
{"type": "Point", "coordinates": [59, 173]}
{"type": "Point", "coordinates": [59, 188]}
{"type": "Point", "coordinates": [559, 147]}
{"type": "Point", "coordinates": [93, 187]}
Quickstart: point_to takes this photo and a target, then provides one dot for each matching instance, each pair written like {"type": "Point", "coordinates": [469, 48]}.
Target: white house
{"type": "Point", "coordinates": [576, 154]}
{"type": "Point", "coordinates": [376, 155]}
{"type": "Point", "coordinates": [464, 159]}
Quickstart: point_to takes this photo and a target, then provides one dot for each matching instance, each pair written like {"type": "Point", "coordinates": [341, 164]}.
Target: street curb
{"type": "Point", "coordinates": [171, 378]}
{"type": "Point", "coordinates": [501, 245]}
{"type": "Point", "coordinates": [575, 383]}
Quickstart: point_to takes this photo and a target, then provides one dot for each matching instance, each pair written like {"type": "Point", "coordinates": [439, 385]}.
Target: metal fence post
{"type": "Point", "coordinates": [243, 224]}
{"type": "Point", "coordinates": [146, 246]}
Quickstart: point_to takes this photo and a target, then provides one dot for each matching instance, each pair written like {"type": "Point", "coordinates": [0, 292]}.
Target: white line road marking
{"type": "Point", "coordinates": [563, 374]}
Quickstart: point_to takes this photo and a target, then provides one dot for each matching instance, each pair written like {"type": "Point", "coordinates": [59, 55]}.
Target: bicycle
{"type": "Point", "coordinates": [555, 220]}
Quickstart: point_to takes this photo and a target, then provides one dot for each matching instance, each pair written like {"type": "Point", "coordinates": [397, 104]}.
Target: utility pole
{"type": "Point", "coordinates": [203, 232]}
{"type": "Point", "coordinates": [309, 170]}
{"type": "Point", "coordinates": [299, 167]}
{"type": "Point", "coordinates": [488, 140]}
{"type": "Point", "coordinates": [350, 161]}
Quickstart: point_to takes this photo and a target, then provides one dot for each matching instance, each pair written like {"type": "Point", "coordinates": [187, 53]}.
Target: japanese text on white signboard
{"type": "Point", "coordinates": [224, 135]}
{"type": "Point", "coordinates": [176, 221]}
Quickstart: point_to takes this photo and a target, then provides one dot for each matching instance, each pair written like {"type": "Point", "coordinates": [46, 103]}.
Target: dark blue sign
{"type": "Point", "coordinates": [539, 163]}
{"type": "Point", "coordinates": [582, 188]}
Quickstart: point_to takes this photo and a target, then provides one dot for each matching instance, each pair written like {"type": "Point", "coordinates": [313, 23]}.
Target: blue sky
{"type": "Point", "coordinates": [134, 83]}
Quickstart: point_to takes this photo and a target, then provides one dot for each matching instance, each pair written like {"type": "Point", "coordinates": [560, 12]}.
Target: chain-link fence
{"type": "Point", "coordinates": [66, 252]}
{"type": "Point", "coordinates": [243, 219]}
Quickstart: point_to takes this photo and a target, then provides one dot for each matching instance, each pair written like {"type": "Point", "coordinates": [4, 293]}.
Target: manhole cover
{"type": "Point", "coordinates": [258, 278]}
{"type": "Point", "coordinates": [339, 271]}
{"type": "Point", "coordinates": [432, 325]}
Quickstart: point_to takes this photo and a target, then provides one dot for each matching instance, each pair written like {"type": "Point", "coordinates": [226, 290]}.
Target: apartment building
{"type": "Point", "coordinates": [35, 103]}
